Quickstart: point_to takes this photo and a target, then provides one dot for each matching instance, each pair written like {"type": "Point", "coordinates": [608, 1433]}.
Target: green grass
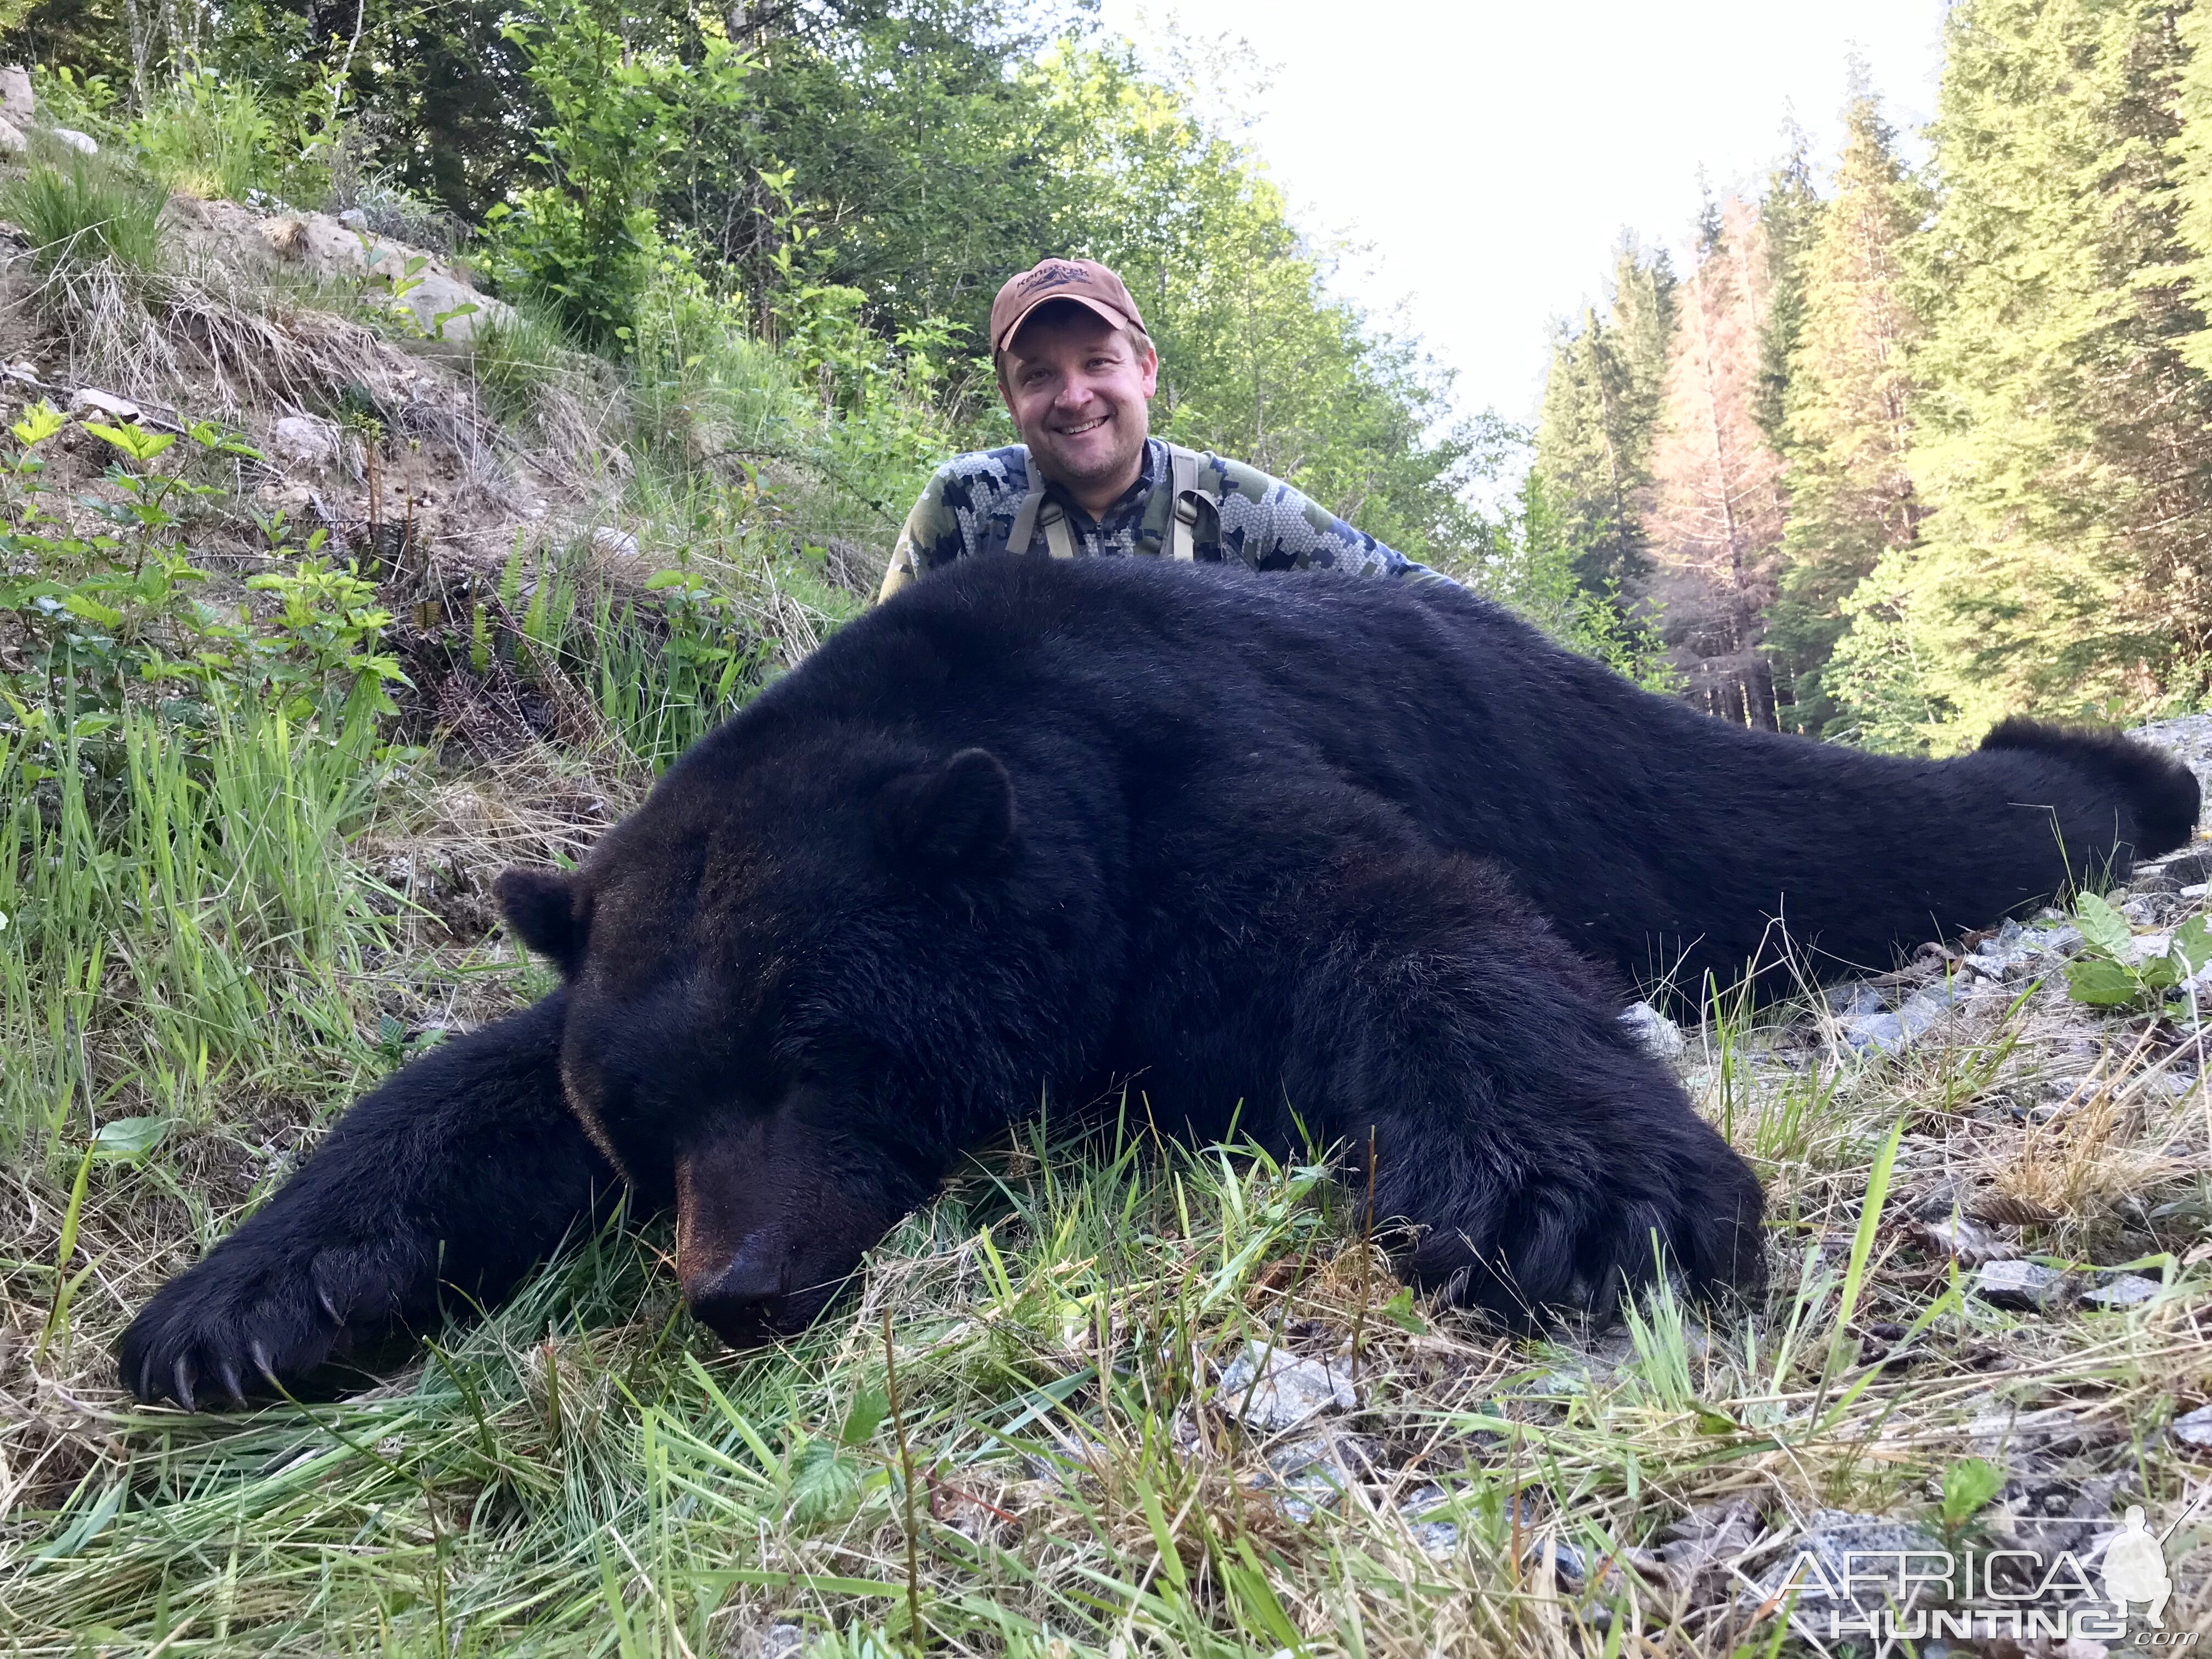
{"type": "Point", "coordinates": [81, 212]}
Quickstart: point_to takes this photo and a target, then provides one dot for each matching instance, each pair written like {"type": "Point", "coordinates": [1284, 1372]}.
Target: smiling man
{"type": "Point", "coordinates": [1077, 370]}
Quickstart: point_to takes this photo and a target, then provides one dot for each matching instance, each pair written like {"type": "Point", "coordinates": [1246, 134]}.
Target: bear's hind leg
{"type": "Point", "coordinates": [1539, 1161]}
{"type": "Point", "coordinates": [465, 1168]}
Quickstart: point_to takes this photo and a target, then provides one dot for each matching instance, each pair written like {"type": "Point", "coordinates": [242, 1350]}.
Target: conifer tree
{"type": "Point", "coordinates": [1600, 408]}
{"type": "Point", "coordinates": [1714, 518]}
{"type": "Point", "coordinates": [1847, 423]}
{"type": "Point", "coordinates": [2063, 445]}
{"type": "Point", "coordinates": [1789, 215]}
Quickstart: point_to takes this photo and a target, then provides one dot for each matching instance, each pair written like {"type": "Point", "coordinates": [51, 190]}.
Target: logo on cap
{"type": "Point", "coordinates": [1053, 276]}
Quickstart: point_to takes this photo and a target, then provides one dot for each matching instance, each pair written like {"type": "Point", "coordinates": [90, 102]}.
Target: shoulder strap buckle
{"type": "Point", "coordinates": [1183, 521]}
{"type": "Point", "coordinates": [1035, 513]}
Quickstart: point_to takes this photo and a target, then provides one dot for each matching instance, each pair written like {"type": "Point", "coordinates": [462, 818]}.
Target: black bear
{"type": "Point", "coordinates": [1359, 862]}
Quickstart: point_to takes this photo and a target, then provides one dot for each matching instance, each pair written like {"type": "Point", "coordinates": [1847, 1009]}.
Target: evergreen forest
{"type": "Point", "coordinates": [1901, 447]}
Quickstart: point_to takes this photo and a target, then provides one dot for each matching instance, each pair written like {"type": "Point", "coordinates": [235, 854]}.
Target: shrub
{"type": "Point", "coordinates": [223, 138]}
{"type": "Point", "coordinates": [83, 212]}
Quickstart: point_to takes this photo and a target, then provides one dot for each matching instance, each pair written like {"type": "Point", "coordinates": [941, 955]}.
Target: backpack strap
{"type": "Point", "coordinates": [1036, 513]}
{"type": "Point", "coordinates": [1183, 517]}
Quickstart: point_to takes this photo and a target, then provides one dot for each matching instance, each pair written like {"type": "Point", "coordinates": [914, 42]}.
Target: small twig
{"type": "Point", "coordinates": [906, 1472]}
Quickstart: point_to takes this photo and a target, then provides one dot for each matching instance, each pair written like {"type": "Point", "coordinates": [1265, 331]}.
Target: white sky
{"type": "Point", "coordinates": [1487, 155]}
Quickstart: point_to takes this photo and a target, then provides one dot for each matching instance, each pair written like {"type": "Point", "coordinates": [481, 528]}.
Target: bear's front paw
{"type": "Point", "coordinates": [256, 1319]}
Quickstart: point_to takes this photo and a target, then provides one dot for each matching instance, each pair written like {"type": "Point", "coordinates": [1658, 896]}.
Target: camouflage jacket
{"type": "Point", "coordinates": [969, 505]}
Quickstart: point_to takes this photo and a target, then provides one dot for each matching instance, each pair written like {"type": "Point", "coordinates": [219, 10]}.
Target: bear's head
{"type": "Point", "coordinates": [800, 979]}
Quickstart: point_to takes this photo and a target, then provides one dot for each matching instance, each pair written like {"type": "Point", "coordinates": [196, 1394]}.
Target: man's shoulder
{"type": "Point", "coordinates": [1222, 476]}
{"type": "Point", "coordinates": [995, 470]}
{"type": "Point", "coordinates": [961, 496]}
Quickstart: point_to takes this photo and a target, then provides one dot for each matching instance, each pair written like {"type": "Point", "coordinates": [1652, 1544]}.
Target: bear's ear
{"type": "Point", "coordinates": [958, 816]}
{"type": "Point", "coordinates": [544, 910]}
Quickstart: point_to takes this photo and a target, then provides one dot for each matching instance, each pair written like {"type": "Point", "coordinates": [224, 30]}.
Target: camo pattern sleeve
{"type": "Point", "coordinates": [967, 504]}
{"type": "Point", "coordinates": [1271, 527]}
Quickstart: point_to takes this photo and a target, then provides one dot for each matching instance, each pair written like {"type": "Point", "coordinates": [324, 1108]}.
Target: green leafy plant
{"type": "Point", "coordinates": [2107, 974]}
{"type": "Point", "coordinates": [1968, 1484]}
{"type": "Point", "coordinates": [588, 239]}
{"type": "Point", "coordinates": [211, 136]}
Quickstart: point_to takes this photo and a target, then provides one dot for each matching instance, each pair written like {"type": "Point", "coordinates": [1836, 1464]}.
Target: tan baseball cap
{"type": "Point", "coordinates": [1083, 280]}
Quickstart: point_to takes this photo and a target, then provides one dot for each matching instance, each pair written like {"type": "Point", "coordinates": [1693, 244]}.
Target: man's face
{"type": "Point", "coordinates": [1077, 391]}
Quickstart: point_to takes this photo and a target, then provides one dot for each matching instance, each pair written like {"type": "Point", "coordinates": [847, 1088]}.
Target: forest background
{"type": "Point", "coordinates": [1896, 450]}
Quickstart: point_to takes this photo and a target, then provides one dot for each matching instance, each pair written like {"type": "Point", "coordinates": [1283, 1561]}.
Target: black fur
{"type": "Point", "coordinates": [1038, 829]}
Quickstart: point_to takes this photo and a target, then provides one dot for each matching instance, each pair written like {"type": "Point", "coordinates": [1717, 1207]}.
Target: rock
{"type": "Point", "coordinates": [1270, 1391]}
{"type": "Point", "coordinates": [1882, 1033]}
{"type": "Point", "coordinates": [2122, 1291]}
{"type": "Point", "coordinates": [2064, 940]}
{"type": "Point", "coordinates": [1348, 1457]}
{"type": "Point", "coordinates": [1962, 1236]}
{"type": "Point", "coordinates": [12, 141]}
{"type": "Point", "coordinates": [103, 403]}
{"type": "Point", "coordinates": [780, 1640]}
{"type": "Point", "coordinates": [2195, 1429]}
{"type": "Point", "coordinates": [1925, 1009]}
{"type": "Point", "coordinates": [304, 441]}
{"type": "Point", "coordinates": [343, 252]}
{"type": "Point", "coordinates": [16, 100]}
{"type": "Point", "coordinates": [82, 142]}
{"type": "Point", "coordinates": [1849, 1002]}
{"type": "Point", "coordinates": [1655, 1034]}
{"type": "Point", "coordinates": [1436, 1540]}
{"type": "Point", "coordinates": [2024, 1285]}
{"type": "Point", "coordinates": [620, 545]}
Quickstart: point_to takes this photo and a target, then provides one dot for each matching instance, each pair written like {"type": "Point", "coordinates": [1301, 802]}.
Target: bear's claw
{"type": "Point", "coordinates": [231, 1328]}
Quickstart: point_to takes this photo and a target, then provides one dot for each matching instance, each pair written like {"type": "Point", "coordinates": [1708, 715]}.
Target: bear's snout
{"type": "Point", "coordinates": [770, 1225]}
{"type": "Point", "coordinates": [744, 1304]}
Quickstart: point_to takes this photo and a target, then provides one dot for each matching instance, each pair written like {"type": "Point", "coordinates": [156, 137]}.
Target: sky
{"type": "Point", "coordinates": [1486, 156]}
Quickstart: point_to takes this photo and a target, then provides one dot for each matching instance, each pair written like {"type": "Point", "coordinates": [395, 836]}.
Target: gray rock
{"type": "Point", "coordinates": [1963, 1236]}
{"type": "Point", "coordinates": [12, 141]}
{"type": "Point", "coordinates": [1925, 1009]}
{"type": "Point", "coordinates": [1435, 1539]}
{"type": "Point", "coordinates": [1877, 1033]}
{"type": "Point", "coordinates": [1655, 1034]}
{"type": "Point", "coordinates": [1270, 1392]}
{"type": "Point", "coordinates": [82, 143]}
{"type": "Point", "coordinates": [2195, 1429]}
{"type": "Point", "coordinates": [15, 104]}
{"type": "Point", "coordinates": [2122, 1291]}
{"type": "Point", "coordinates": [2024, 1285]}
{"type": "Point", "coordinates": [107, 404]}
{"type": "Point", "coordinates": [621, 546]}
{"type": "Point", "coordinates": [304, 441]}
{"type": "Point", "coordinates": [1849, 1002]}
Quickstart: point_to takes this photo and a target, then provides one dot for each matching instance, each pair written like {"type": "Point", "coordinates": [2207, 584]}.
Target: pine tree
{"type": "Point", "coordinates": [2063, 444]}
{"type": "Point", "coordinates": [1600, 408]}
{"type": "Point", "coordinates": [1714, 518]}
{"type": "Point", "coordinates": [1847, 423]}
{"type": "Point", "coordinates": [1790, 215]}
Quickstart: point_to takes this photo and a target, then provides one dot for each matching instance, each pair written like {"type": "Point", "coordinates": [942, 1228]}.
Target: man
{"type": "Point", "coordinates": [1076, 368]}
